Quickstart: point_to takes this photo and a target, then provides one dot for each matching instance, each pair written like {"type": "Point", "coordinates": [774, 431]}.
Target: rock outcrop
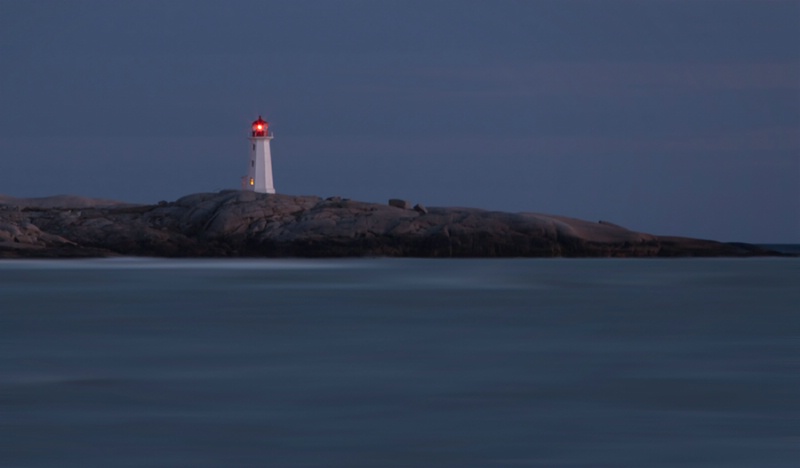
{"type": "Point", "coordinates": [235, 223]}
{"type": "Point", "coordinates": [398, 203]}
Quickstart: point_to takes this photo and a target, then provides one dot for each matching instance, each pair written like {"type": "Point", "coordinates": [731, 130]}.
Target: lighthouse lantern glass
{"type": "Point", "coordinates": [260, 127]}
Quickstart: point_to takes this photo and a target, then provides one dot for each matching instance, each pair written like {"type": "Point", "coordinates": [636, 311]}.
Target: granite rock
{"type": "Point", "coordinates": [398, 203]}
{"type": "Point", "coordinates": [238, 223]}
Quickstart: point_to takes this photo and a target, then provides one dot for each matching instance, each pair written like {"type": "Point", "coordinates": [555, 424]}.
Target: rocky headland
{"type": "Point", "coordinates": [248, 224]}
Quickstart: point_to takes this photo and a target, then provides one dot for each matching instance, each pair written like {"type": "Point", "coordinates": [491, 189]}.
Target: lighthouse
{"type": "Point", "coordinates": [259, 171]}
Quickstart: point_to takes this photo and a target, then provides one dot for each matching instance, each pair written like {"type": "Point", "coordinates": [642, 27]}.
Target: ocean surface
{"type": "Point", "coordinates": [400, 363]}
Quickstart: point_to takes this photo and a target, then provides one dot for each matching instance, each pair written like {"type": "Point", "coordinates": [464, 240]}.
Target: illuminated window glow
{"type": "Point", "coordinates": [252, 181]}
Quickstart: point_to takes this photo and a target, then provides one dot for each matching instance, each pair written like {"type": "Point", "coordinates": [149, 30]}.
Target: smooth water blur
{"type": "Point", "coordinates": [400, 363]}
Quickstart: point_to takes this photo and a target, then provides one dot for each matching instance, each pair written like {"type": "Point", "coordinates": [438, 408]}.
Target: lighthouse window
{"type": "Point", "coordinates": [252, 182]}
{"type": "Point", "coordinates": [254, 146]}
{"type": "Point", "coordinates": [252, 164]}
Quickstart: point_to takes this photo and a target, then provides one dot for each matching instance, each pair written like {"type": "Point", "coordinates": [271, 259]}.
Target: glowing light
{"type": "Point", "coordinates": [260, 127]}
{"type": "Point", "coordinates": [252, 181]}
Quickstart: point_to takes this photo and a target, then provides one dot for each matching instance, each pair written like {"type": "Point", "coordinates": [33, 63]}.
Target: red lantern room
{"type": "Point", "coordinates": [260, 127]}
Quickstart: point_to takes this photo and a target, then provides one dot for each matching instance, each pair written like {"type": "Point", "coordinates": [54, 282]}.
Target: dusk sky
{"type": "Point", "coordinates": [665, 116]}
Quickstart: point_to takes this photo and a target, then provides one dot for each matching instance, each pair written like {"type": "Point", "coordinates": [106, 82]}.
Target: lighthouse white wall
{"type": "Point", "coordinates": [259, 173]}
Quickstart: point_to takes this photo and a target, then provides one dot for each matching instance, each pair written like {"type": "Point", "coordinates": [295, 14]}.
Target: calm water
{"type": "Point", "coordinates": [400, 363]}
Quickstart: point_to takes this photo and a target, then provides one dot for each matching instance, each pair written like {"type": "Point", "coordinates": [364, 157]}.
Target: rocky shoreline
{"type": "Point", "coordinates": [247, 224]}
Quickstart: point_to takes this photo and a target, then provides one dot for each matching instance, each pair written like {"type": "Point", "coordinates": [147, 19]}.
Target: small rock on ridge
{"type": "Point", "coordinates": [398, 203]}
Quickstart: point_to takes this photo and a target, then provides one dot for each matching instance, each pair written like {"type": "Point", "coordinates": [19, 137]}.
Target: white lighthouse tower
{"type": "Point", "coordinates": [259, 171]}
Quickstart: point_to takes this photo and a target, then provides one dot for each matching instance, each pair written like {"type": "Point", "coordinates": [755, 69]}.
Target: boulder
{"type": "Point", "coordinates": [398, 203]}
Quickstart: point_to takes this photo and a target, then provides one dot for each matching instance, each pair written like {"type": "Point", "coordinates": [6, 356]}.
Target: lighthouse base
{"type": "Point", "coordinates": [249, 185]}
